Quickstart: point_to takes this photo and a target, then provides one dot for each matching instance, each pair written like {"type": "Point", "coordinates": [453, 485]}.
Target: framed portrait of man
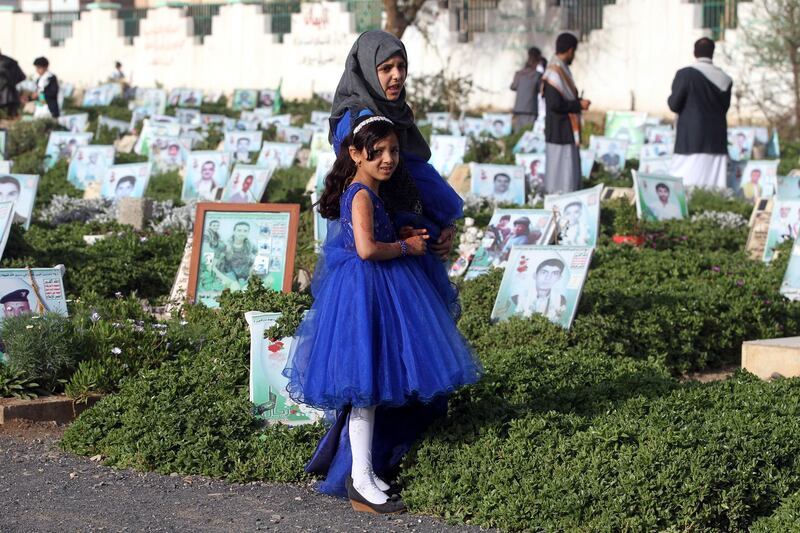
{"type": "Point", "coordinates": [659, 197]}
{"type": "Point", "coordinates": [247, 184]}
{"type": "Point", "coordinates": [190, 98]}
{"type": "Point", "coordinates": [660, 134]}
{"type": "Point", "coordinates": [62, 145]}
{"type": "Point", "coordinates": [268, 357]}
{"type": "Point", "coordinates": [98, 96]}
{"type": "Point", "coordinates": [283, 154]}
{"type": "Point", "coordinates": [578, 216]}
{"type": "Point", "coordinates": [32, 291]}
{"type": "Point", "coordinates": [543, 280]}
{"type": "Point", "coordinates": [244, 99]}
{"type": "Point", "coordinates": [740, 143]}
{"type": "Point", "coordinates": [503, 184]}
{"type": "Point", "coordinates": [587, 162]}
{"type": "Point", "coordinates": [661, 166]}
{"type": "Point", "coordinates": [788, 187]}
{"type": "Point", "coordinates": [168, 153]}
{"type": "Point", "coordinates": [206, 175]}
{"type": "Point", "coordinates": [535, 166]}
{"type": "Point", "coordinates": [759, 179]}
{"type": "Point", "coordinates": [242, 144]}
{"type": "Point", "coordinates": [233, 242]}
{"type": "Point", "coordinates": [473, 127]}
{"type": "Point", "coordinates": [440, 122]}
{"type": "Point", "coordinates": [174, 97]}
{"type": "Point", "coordinates": [125, 181]}
{"type": "Point", "coordinates": [75, 123]}
{"type": "Point", "coordinates": [20, 189]}
{"type": "Point", "coordinates": [6, 219]}
{"type": "Point", "coordinates": [783, 225]}
{"type": "Point", "coordinates": [610, 153]}
{"type": "Point", "coordinates": [89, 164]}
{"type": "Point", "coordinates": [447, 151]}
{"type": "Point", "coordinates": [627, 127]}
{"type": "Point", "coordinates": [266, 98]}
{"type": "Point", "coordinates": [530, 143]}
{"type": "Point", "coordinates": [293, 134]}
{"type": "Point", "coordinates": [498, 124]}
{"type": "Point", "coordinates": [152, 128]}
{"type": "Point", "coordinates": [509, 228]}
{"type": "Point", "coordinates": [151, 101]}
{"type": "Point", "coordinates": [188, 117]}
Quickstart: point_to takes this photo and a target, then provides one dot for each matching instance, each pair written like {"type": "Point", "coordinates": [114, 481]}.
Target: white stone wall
{"type": "Point", "coordinates": [628, 64]}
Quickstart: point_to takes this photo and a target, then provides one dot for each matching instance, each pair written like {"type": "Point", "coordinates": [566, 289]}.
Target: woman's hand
{"type": "Point", "coordinates": [417, 244]}
{"type": "Point", "coordinates": [444, 245]}
{"type": "Point", "coordinates": [407, 231]}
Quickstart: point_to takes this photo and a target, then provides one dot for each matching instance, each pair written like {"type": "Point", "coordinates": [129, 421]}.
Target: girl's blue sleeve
{"type": "Point", "coordinates": [343, 128]}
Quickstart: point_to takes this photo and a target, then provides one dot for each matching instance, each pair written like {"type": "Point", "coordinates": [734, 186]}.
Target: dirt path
{"type": "Point", "coordinates": [45, 489]}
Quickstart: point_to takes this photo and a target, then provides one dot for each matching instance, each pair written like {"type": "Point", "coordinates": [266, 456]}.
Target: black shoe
{"type": "Point", "coordinates": [362, 505]}
{"type": "Point", "coordinates": [393, 491]}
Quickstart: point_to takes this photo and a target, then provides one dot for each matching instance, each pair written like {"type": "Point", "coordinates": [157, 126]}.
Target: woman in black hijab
{"type": "Point", "coordinates": [373, 84]}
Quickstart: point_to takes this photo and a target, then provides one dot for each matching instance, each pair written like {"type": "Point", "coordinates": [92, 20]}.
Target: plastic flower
{"type": "Point", "coordinates": [95, 316]}
{"type": "Point", "coordinates": [116, 351]}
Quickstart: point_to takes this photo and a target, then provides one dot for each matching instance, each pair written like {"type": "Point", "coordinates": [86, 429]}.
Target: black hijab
{"type": "Point", "coordinates": [360, 88]}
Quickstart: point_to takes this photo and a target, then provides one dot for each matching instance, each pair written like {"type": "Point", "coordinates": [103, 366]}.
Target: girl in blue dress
{"type": "Point", "coordinates": [379, 335]}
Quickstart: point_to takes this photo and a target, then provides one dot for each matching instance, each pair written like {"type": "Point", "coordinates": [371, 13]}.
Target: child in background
{"type": "Point", "coordinates": [379, 336]}
{"type": "Point", "coordinates": [46, 90]}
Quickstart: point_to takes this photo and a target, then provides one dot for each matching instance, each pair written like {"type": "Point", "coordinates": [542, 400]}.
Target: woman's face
{"type": "Point", "coordinates": [392, 75]}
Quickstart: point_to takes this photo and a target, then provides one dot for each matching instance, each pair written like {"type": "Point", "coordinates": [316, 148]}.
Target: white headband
{"type": "Point", "coordinates": [370, 120]}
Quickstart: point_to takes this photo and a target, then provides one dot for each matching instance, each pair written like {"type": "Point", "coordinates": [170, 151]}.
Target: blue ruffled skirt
{"type": "Point", "coordinates": [379, 333]}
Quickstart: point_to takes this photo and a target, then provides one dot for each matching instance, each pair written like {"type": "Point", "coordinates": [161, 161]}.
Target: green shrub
{"type": "Point", "coordinates": [785, 518]}
{"type": "Point", "coordinates": [53, 182]}
{"type": "Point", "coordinates": [27, 136]}
{"type": "Point", "coordinates": [46, 348]}
{"type": "Point", "coordinates": [166, 186]}
{"type": "Point", "coordinates": [288, 185]}
{"type": "Point", "coordinates": [16, 384]}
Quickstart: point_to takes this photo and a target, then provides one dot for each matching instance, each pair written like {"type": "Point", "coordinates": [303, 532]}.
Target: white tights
{"type": "Point", "coordinates": [370, 486]}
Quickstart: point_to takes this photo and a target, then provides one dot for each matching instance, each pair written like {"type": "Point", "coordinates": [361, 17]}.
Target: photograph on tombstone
{"type": "Point", "coordinates": [152, 129]}
{"type": "Point", "coordinates": [655, 165]}
{"type": "Point", "coordinates": [628, 127]}
{"type": "Point", "coordinates": [447, 151]}
{"type": "Point", "coordinates": [498, 124]}
{"type": "Point", "coordinates": [319, 145]}
{"type": "Point", "coordinates": [324, 165]}
{"type": "Point", "coordinates": [740, 143]}
{"type": "Point", "coordinates": [6, 219]}
{"type": "Point", "coordinates": [247, 183]}
{"type": "Point", "coordinates": [578, 216]}
{"type": "Point", "coordinates": [89, 164]}
{"type": "Point", "coordinates": [266, 98]}
{"type": "Point", "coordinates": [788, 187]}
{"type": "Point", "coordinates": [660, 134]}
{"type": "Point", "coordinates": [277, 120]}
{"type": "Point", "coordinates": [759, 179]}
{"type": "Point", "coordinates": [268, 357]}
{"type": "Point", "coordinates": [530, 143]}
{"type": "Point", "coordinates": [473, 127]}
{"type": "Point", "coordinates": [168, 153]}
{"type": "Point", "coordinates": [659, 197]}
{"type": "Point", "coordinates": [235, 241]}
{"type": "Point", "coordinates": [508, 228]}
{"type": "Point", "coordinates": [543, 280]}
{"type": "Point", "coordinates": [243, 144]}
{"type": "Point", "coordinates": [244, 99]}
{"type": "Point", "coordinates": [440, 122]}
{"type": "Point", "coordinates": [151, 101]}
{"type": "Point", "coordinates": [293, 134]}
{"type": "Point", "coordinates": [206, 175]}
{"type": "Point", "coordinates": [32, 291]}
{"type": "Point", "coordinates": [190, 98]}
{"type": "Point", "coordinates": [125, 181]}
{"type": "Point", "coordinates": [188, 117]}
{"type": "Point", "coordinates": [98, 96]}
{"type": "Point", "coordinates": [499, 183]}
{"type": "Point", "coordinates": [790, 286]}
{"type": "Point", "coordinates": [610, 153]}
{"type": "Point", "coordinates": [783, 225]}
{"type": "Point", "coordinates": [321, 118]}
{"type": "Point", "coordinates": [283, 154]}
{"type": "Point", "coordinates": [535, 166]}
{"type": "Point", "coordinates": [587, 162]}
{"type": "Point", "coordinates": [76, 123]}
{"type": "Point", "coordinates": [62, 145]}
{"type": "Point", "coordinates": [20, 189]}
{"type": "Point", "coordinates": [653, 150]}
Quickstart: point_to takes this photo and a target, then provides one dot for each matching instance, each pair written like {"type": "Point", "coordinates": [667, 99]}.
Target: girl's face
{"type": "Point", "coordinates": [392, 75]}
{"type": "Point", "coordinates": [240, 233]}
{"type": "Point", "coordinates": [384, 161]}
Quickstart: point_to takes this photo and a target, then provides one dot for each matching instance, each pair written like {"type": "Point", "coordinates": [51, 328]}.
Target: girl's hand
{"type": "Point", "coordinates": [444, 245]}
{"type": "Point", "coordinates": [407, 231]}
{"type": "Point", "coordinates": [417, 244]}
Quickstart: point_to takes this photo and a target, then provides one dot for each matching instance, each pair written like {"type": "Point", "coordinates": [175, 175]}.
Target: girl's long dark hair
{"type": "Point", "coordinates": [398, 194]}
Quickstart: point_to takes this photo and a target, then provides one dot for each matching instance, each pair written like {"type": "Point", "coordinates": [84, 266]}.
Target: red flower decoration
{"type": "Point", "coordinates": [275, 347]}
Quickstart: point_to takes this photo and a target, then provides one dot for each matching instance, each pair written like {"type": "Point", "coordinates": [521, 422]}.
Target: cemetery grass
{"type": "Point", "coordinates": [580, 430]}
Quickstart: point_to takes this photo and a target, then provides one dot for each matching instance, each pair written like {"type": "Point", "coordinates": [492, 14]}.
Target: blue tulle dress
{"type": "Point", "coordinates": [379, 333]}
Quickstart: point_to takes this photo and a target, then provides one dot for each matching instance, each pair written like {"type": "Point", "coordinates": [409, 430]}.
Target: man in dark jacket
{"type": "Point", "coordinates": [701, 96]}
{"type": "Point", "coordinates": [10, 76]}
{"type": "Point", "coordinates": [562, 123]}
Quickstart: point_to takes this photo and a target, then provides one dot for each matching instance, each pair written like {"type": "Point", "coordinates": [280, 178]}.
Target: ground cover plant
{"type": "Point", "coordinates": [591, 429]}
